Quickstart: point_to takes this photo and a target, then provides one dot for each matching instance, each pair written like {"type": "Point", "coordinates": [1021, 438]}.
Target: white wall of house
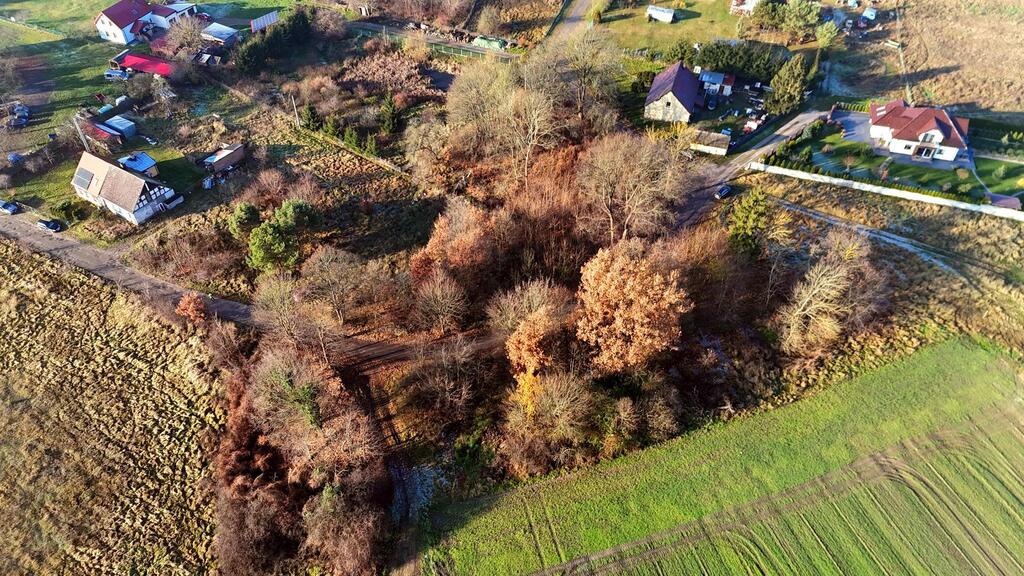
{"type": "Point", "coordinates": [111, 33]}
{"type": "Point", "coordinates": [897, 146]}
{"type": "Point", "coordinates": [667, 109]}
{"type": "Point", "coordinates": [141, 213]}
{"type": "Point", "coordinates": [880, 132]}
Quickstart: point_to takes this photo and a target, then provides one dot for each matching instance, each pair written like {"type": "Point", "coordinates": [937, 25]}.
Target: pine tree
{"type": "Point", "coordinates": [788, 87]}
{"type": "Point", "coordinates": [332, 127]}
{"type": "Point", "coordinates": [351, 138]}
{"type": "Point", "coordinates": [388, 116]}
{"type": "Point", "coordinates": [311, 118]}
{"type": "Point", "coordinates": [242, 221]}
{"type": "Point", "coordinates": [371, 145]}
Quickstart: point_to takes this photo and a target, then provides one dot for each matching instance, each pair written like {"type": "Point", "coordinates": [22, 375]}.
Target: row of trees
{"type": "Point", "coordinates": [752, 59]}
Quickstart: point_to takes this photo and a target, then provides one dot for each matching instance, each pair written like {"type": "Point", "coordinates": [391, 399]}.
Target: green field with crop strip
{"type": "Point", "coordinates": [910, 468]}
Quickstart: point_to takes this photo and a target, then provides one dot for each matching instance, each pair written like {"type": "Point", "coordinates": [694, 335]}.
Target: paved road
{"type": "Point", "coordinates": [697, 203]}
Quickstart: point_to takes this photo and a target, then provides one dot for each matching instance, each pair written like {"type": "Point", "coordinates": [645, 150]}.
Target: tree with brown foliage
{"type": "Point", "coordinates": [627, 182]}
{"type": "Point", "coordinates": [185, 37]}
{"type": "Point", "coordinates": [629, 312]}
{"type": "Point", "coordinates": [192, 307]}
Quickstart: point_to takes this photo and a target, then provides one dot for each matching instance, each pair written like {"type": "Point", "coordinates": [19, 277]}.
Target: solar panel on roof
{"type": "Point", "coordinates": [82, 178]}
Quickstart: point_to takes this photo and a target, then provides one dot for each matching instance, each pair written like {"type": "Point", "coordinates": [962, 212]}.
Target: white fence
{"type": "Point", "coordinates": [982, 208]}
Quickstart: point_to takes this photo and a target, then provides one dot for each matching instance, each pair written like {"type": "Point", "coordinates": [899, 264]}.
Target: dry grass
{"type": "Point", "coordinates": [967, 53]}
{"type": "Point", "coordinates": [106, 418]}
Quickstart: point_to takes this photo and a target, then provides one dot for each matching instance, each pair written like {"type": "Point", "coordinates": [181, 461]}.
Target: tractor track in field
{"type": "Point", "coordinates": [882, 466]}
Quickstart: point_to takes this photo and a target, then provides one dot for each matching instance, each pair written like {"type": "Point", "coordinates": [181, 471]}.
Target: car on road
{"type": "Point", "coordinates": [17, 123]}
{"type": "Point", "coordinates": [49, 225]}
{"type": "Point", "coordinates": [9, 208]}
{"type": "Point", "coordinates": [723, 192]}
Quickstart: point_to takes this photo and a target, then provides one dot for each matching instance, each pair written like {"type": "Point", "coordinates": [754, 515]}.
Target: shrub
{"type": "Point", "coordinates": [370, 147]}
{"type": "Point", "coordinates": [243, 219]}
{"type": "Point", "coordinates": [351, 138]}
{"type": "Point", "coordinates": [192, 307]}
{"type": "Point", "coordinates": [440, 303]}
{"type": "Point", "coordinates": [71, 211]}
{"type": "Point", "coordinates": [272, 246]}
{"type": "Point", "coordinates": [389, 116]}
{"type": "Point", "coordinates": [507, 310]}
{"type": "Point", "coordinates": [1000, 172]}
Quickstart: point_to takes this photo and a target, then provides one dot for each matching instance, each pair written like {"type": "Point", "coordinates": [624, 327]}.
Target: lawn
{"type": "Point", "coordinates": [692, 490]}
{"type": "Point", "coordinates": [1012, 180]}
{"type": "Point", "coordinates": [696, 21]}
{"type": "Point", "coordinates": [75, 17]}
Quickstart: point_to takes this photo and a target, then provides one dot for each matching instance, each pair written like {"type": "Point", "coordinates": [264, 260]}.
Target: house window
{"type": "Point", "coordinates": [907, 147]}
{"type": "Point", "coordinates": [667, 103]}
{"type": "Point", "coordinates": [927, 137]}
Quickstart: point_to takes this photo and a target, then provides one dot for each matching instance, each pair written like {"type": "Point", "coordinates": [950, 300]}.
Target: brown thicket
{"type": "Point", "coordinates": [629, 311]}
{"type": "Point", "coordinates": [201, 256]}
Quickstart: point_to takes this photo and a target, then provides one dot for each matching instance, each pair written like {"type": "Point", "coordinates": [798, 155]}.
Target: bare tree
{"type": "Point", "coordinates": [592, 62]}
{"type": "Point", "coordinates": [474, 99]}
{"type": "Point", "coordinates": [628, 182]}
{"type": "Point", "coordinates": [527, 121]}
{"type": "Point", "coordinates": [185, 37]}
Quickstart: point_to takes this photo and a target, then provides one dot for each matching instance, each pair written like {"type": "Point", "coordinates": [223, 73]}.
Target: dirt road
{"type": "Point", "coordinates": [573, 20]}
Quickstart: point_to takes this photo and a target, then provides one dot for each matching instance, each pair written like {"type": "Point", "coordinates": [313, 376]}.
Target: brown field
{"type": "Point", "coordinates": [968, 54]}
{"type": "Point", "coordinates": [108, 419]}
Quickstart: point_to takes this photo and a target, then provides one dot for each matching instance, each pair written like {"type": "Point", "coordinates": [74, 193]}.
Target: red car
{"type": "Point", "coordinates": [204, 17]}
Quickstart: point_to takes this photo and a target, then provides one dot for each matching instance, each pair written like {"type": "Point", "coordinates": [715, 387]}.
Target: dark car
{"type": "Point", "coordinates": [204, 17]}
{"type": "Point", "coordinates": [22, 111]}
{"type": "Point", "coordinates": [150, 140]}
{"type": "Point", "coordinates": [50, 225]}
{"type": "Point", "coordinates": [723, 192]}
{"type": "Point", "coordinates": [9, 208]}
{"type": "Point", "coordinates": [17, 123]}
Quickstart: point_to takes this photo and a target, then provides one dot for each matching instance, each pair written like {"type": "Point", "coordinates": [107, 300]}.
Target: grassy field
{"type": "Point", "coordinates": [732, 495]}
{"type": "Point", "coordinates": [75, 17]}
{"type": "Point", "coordinates": [696, 21]}
{"type": "Point", "coordinates": [108, 419]}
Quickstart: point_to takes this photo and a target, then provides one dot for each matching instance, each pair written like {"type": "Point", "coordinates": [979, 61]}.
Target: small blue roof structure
{"type": "Point", "coordinates": [122, 126]}
{"type": "Point", "coordinates": [137, 161]}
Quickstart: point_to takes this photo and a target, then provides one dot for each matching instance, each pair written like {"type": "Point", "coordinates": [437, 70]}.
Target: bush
{"type": "Point", "coordinates": [71, 211]}
{"type": "Point", "coordinates": [192, 307]}
{"type": "Point", "coordinates": [243, 220]}
{"type": "Point", "coordinates": [440, 303]}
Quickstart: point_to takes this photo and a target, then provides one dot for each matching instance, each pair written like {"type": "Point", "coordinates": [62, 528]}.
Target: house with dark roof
{"type": "Point", "coordinates": [715, 83]}
{"type": "Point", "coordinates": [921, 132]}
{"type": "Point", "coordinates": [674, 96]}
{"type": "Point", "coordinates": [129, 21]}
{"type": "Point", "coordinates": [131, 195]}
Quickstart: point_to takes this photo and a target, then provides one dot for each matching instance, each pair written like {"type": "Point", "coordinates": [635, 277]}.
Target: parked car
{"type": "Point", "coordinates": [723, 192]}
{"type": "Point", "coordinates": [49, 225]}
{"type": "Point", "coordinates": [17, 123]}
{"type": "Point", "coordinates": [712, 103]}
{"type": "Point", "coordinates": [204, 17]}
{"type": "Point", "coordinates": [115, 75]}
{"type": "Point", "coordinates": [22, 111]}
{"type": "Point", "coordinates": [9, 208]}
{"type": "Point", "coordinates": [150, 140]}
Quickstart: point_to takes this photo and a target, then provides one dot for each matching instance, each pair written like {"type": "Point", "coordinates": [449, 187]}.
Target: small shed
{"type": "Point", "coordinates": [711, 143]}
{"type": "Point", "coordinates": [139, 162]}
{"type": "Point", "coordinates": [227, 156]}
{"type": "Point", "coordinates": [220, 34]}
{"type": "Point", "coordinates": [661, 14]}
{"type": "Point", "coordinates": [870, 13]}
{"type": "Point", "coordinates": [122, 126]}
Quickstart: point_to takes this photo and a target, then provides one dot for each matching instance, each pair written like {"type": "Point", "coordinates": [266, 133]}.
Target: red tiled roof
{"type": "Point", "coordinates": [909, 122]}
{"type": "Point", "coordinates": [126, 12]}
{"type": "Point", "coordinates": [730, 79]}
{"type": "Point", "coordinates": [161, 10]}
{"type": "Point", "coordinates": [148, 64]}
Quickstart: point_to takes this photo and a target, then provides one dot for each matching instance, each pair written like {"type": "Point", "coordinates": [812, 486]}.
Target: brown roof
{"type": "Point", "coordinates": [909, 122]}
{"type": "Point", "coordinates": [112, 183]}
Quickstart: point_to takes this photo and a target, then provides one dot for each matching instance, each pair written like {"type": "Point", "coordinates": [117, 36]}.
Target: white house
{"type": "Point", "coordinates": [130, 20]}
{"type": "Point", "coordinates": [921, 132]}
{"type": "Point", "coordinates": [674, 95]}
{"type": "Point", "coordinates": [132, 196]}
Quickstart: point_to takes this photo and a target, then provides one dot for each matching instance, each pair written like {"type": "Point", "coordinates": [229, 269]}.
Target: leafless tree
{"type": "Point", "coordinates": [185, 37]}
{"type": "Point", "coordinates": [526, 122]}
{"type": "Point", "coordinates": [592, 62]}
{"type": "Point", "coordinates": [628, 182]}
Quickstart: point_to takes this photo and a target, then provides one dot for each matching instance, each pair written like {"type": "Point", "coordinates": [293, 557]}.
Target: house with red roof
{"type": "Point", "coordinates": [129, 21]}
{"type": "Point", "coordinates": [674, 95]}
{"type": "Point", "coordinates": [921, 132]}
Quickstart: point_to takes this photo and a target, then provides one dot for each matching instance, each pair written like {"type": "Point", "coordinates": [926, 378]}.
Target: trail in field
{"type": "Point", "coordinates": [953, 501]}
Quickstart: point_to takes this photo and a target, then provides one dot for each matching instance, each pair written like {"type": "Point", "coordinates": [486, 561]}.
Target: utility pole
{"type": "Point", "coordinates": [85, 141]}
{"type": "Point", "coordinates": [295, 109]}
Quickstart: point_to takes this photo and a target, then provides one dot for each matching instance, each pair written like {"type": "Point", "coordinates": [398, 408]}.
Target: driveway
{"type": "Point", "coordinates": [573, 20]}
{"type": "Point", "coordinates": [856, 124]}
{"type": "Point", "coordinates": [696, 204]}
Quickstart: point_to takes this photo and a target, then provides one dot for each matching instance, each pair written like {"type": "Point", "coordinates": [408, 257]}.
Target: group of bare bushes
{"type": "Point", "coordinates": [301, 475]}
